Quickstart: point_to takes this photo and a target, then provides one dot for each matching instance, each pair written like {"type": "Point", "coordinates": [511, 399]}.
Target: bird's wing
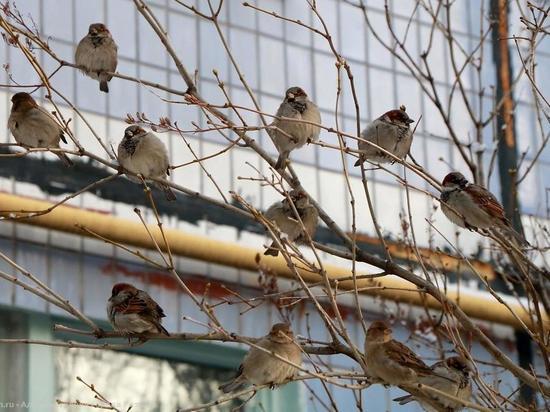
{"type": "Point", "coordinates": [48, 117]}
{"type": "Point", "coordinates": [132, 305]}
{"type": "Point", "coordinates": [404, 356]}
{"type": "Point", "coordinates": [486, 200]}
{"type": "Point", "coordinates": [141, 304]}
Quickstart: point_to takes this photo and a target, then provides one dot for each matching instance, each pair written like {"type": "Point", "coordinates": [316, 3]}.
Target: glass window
{"type": "Point", "coordinates": [269, 24]}
{"type": "Point", "coordinates": [325, 81]}
{"type": "Point", "coordinates": [437, 57]}
{"type": "Point", "coordinates": [409, 94]}
{"type": "Point", "coordinates": [298, 57]}
{"type": "Point", "coordinates": [151, 49]}
{"type": "Point", "coordinates": [151, 99]}
{"type": "Point", "coordinates": [63, 79]}
{"type": "Point", "coordinates": [182, 30]}
{"type": "Point", "coordinates": [377, 53]}
{"type": "Point", "coordinates": [88, 12]}
{"type": "Point", "coordinates": [243, 48]}
{"type": "Point", "coordinates": [431, 118]}
{"type": "Point", "coordinates": [328, 9]}
{"type": "Point", "coordinates": [123, 95]}
{"type": "Point", "coordinates": [353, 32]}
{"type": "Point", "coordinates": [272, 72]}
{"type": "Point", "coordinates": [212, 55]}
{"type": "Point", "coordinates": [19, 68]}
{"type": "Point", "coordinates": [13, 359]}
{"type": "Point", "coordinates": [242, 16]}
{"type": "Point", "coordinates": [55, 24]}
{"type": "Point", "coordinates": [161, 384]}
{"type": "Point", "coordinates": [360, 81]}
{"type": "Point", "coordinates": [299, 10]}
{"type": "Point", "coordinates": [380, 92]}
{"type": "Point", "coordinates": [121, 20]}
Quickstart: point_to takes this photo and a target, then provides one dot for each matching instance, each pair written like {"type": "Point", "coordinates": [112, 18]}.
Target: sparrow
{"type": "Point", "coordinates": [96, 54]}
{"type": "Point", "coordinates": [390, 360]}
{"type": "Point", "coordinates": [33, 127]}
{"type": "Point", "coordinates": [131, 310]}
{"type": "Point", "coordinates": [261, 368]}
{"type": "Point", "coordinates": [143, 153]}
{"type": "Point", "coordinates": [290, 135]}
{"type": "Point", "coordinates": [282, 214]}
{"type": "Point", "coordinates": [390, 131]}
{"type": "Point", "coordinates": [451, 376]}
{"type": "Point", "coordinates": [473, 207]}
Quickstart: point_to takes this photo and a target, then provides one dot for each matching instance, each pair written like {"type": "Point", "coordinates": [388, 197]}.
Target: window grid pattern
{"type": "Point", "coordinates": [272, 56]}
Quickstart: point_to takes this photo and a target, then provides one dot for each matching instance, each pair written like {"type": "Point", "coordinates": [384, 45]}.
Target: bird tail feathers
{"type": "Point", "coordinates": [65, 159]}
{"type": "Point", "coordinates": [514, 237]}
{"type": "Point", "coordinates": [272, 250]}
{"type": "Point", "coordinates": [232, 385]}
{"type": "Point", "coordinates": [162, 329]}
{"type": "Point", "coordinates": [404, 399]}
{"type": "Point", "coordinates": [103, 83]}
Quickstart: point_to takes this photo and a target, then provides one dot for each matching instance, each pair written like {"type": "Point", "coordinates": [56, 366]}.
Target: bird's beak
{"type": "Point", "coordinates": [409, 121]}
{"type": "Point", "coordinates": [290, 96]}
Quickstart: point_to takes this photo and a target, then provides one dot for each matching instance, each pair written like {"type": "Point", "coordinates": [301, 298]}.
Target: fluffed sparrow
{"type": "Point", "coordinates": [143, 153]}
{"type": "Point", "coordinates": [451, 376]}
{"type": "Point", "coordinates": [33, 127]}
{"type": "Point", "coordinates": [261, 368]}
{"type": "Point", "coordinates": [390, 360]}
{"type": "Point", "coordinates": [282, 214]}
{"type": "Point", "coordinates": [392, 132]}
{"type": "Point", "coordinates": [96, 54]}
{"type": "Point", "coordinates": [472, 206]}
{"type": "Point", "coordinates": [291, 135]}
{"type": "Point", "coordinates": [131, 310]}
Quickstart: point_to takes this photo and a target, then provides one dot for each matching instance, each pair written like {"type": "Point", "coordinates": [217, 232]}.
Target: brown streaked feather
{"type": "Point", "coordinates": [486, 200]}
{"type": "Point", "coordinates": [134, 305]}
{"type": "Point", "coordinates": [404, 356]}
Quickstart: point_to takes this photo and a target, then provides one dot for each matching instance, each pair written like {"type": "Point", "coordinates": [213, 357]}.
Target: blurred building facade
{"type": "Point", "coordinates": [272, 56]}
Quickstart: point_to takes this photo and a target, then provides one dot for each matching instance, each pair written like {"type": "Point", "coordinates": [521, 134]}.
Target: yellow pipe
{"type": "Point", "coordinates": [68, 219]}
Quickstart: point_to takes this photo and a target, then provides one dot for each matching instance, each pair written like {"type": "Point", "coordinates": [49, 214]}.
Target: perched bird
{"type": "Point", "coordinates": [143, 153]}
{"type": "Point", "coordinates": [282, 214]}
{"type": "Point", "coordinates": [262, 368]}
{"type": "Point", "coordinates": [291, 135]}
{"type": "Point", "coordinates": [33, 127]}
{"type": "Point", "coordinates": [96, 54]}
{"type": "Point", "coordinates": [451, 376]}
{"type": "Point", "coordinates": [131, 310]}
{"type": "Point", "coordinates": [389, 360]}
{"type": "Point", "coordinates": [392, 132]}
{"type": "Point", "coordinates": [473, 207]}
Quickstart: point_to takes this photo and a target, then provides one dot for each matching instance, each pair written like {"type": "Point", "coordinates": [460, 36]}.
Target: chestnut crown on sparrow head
{"type": "Point", "coordinates": [121, 291]}
{"type": "Point", "coordinates": [98, 29]}
{"type": "Point", "coordinates": [455, 180]}
{"type": "Point", "coordinates": [379, 332]}
{"type": "Point", "coordinates": [133, 131]}
{"type": "Point", "coordinates": [459, 363]}
{"type": "Point", "coordinates": [295, 93]}
{"type": "Point", "coordinates": [281, 332]}
{"type": "Point", "coordinates": [22, 99]}
{"type": "Point", "coordinates": [398, 116]}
